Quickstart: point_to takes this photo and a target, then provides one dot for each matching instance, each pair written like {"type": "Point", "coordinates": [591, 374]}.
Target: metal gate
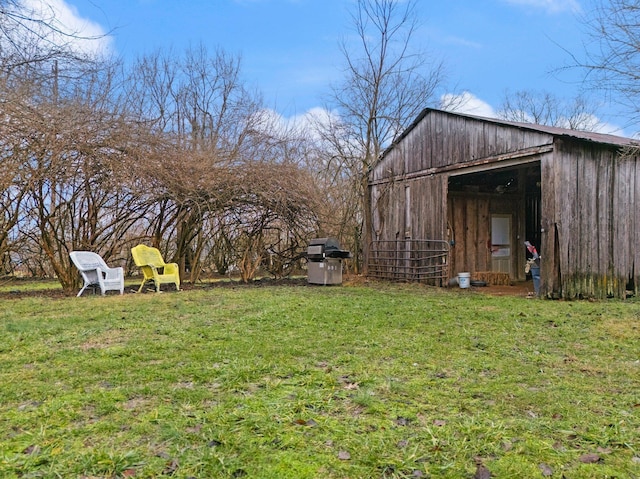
{"type": "Point", "coordinates": [425, 261]}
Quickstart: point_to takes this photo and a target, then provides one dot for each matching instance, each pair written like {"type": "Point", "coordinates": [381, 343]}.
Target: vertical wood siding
{"type": "Point", "coordinates": [429, 207]}
{"type": "Point", "coordinates": [442, 139]}
{"type": "Point", "coordinates": [594, 217]}
{"type": "Point", "coordinates": [470, 224]}
{"type": "Point", "coordinates": [423, 218]}
{"type": "Point", "coordinates": [550, 275]}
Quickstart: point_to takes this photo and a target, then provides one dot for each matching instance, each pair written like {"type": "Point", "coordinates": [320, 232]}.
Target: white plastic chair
{"type": "Point", "coordinates": [95, 271]}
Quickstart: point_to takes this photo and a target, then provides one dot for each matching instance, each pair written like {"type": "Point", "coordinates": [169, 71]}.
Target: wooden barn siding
{"type": "Point", "coordinates": [442, 140]}
{"type": "Point", "coordinates": [388, 211]}
{"type": "Point", "coordinates": [591, 221]}
{"type": "Point", "coordinates": [630, 168]}
{"type": "Point", "coordinates": [591, 237]}
{"type": "Point", "coordinates": [626, 220]}
{"type": "Point", "coordinates": [451, 140]}
{"type": "Point", "coordinates": [427, 209]}
{"type": "Point", "coordinates": [550, 266]}
{"type": "Point", "coordinates": [469, 219]}
{"type": "Point", "coordinates": [634, 237]}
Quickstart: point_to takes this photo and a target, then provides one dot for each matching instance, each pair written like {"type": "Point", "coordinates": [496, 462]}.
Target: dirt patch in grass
{"type": "Point", "coordinates": [521, 289]}
{"type": "Point", "coordinates": [103, 341]}
{"type": "Point", "coordinates": [27, 293]}
{"type": "Point", "coordinates": [23, 289]}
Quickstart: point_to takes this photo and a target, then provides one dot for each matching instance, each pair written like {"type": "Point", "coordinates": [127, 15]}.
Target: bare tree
{"type": "Point", "coordinates": [31, 37]}
{"type": "Point", "coordinates": [182, 155]}
{"type": "Point", "coordinates": [70, 143]}
{"type": "Point", "coordinates": [386, 85]}
{"type": "Point", "coordinates": [544, 108]}
{"type": "Point", "coordinates": [275, 212]}
{"type": "Point", "coordinates": [611, 57]}
{"type": "Point", "coordinates": [205, 121]}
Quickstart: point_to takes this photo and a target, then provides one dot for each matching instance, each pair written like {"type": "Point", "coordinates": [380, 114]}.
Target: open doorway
{"type": "Point", "coordinates": [491, 212]}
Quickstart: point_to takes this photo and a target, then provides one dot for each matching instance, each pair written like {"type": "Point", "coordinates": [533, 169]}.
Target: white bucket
{"type": "Point", "coordinates": [464, 280]}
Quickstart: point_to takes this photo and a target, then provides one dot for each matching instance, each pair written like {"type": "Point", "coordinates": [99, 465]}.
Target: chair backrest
{"type": "Point", "coordinates": [144, 255]}
{"type": "Point", "coordinates": [87, 261]}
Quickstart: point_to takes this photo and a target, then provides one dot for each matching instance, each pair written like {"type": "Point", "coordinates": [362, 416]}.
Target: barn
{"type": "Point", "coordinates": [459, 193]}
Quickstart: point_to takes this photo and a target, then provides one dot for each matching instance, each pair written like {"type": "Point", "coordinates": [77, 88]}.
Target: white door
{"type": "Point", "coordinates": [501, 243]}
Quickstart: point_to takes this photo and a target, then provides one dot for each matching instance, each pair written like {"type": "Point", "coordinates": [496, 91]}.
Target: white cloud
{"type": "Point", "coordinates": [307, 124]}
{"type": "Point", "coordinates": [551, 6]}
{"type": "Point", "coordinates": [68, 27]}
{"type": "Point", "coordinates": [312, 119]}
{"type": "Point", "coordinates": [472, 105]}
{"type": "Point", "coordinates": [466, 102]}
{"type": "Point", "coordinates": [460, 41]}
{"type": "Point", "coordinates": [604, 127]}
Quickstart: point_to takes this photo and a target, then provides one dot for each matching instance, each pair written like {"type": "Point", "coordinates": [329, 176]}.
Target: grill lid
{"type": "Point", "coordinates": [320, 248]}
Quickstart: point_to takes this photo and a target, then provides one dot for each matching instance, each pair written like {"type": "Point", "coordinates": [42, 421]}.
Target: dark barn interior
{"type": "Point", "coordinates": [474, 198]}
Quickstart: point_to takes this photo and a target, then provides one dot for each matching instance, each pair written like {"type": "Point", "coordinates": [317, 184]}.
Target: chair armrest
{"type": "Point", "coordinates": [171, 268]}
{"type": "Point", "coordinates": [114, 273]}
{"type": "Point", "coordinates": [89, 268]}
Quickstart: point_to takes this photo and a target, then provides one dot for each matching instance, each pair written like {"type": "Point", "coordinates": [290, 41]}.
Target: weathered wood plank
{"type": "Point", "coordinates": [622, 220]}
{"type": "Point", "coordinates": [483, 259]}
{"type": "Point", "coordinates": [634, 237]}
{"type": "Point", "coordinates": [605, 233]}
{"type": "Point", "coordinates": [471, 236]}
{"type": "Point", "coordinates": [550, 260]}
{"type": "Point", "coordinates": [564, 214]}
{"type": "Point", "coordinates": [584, 224]}
{"type": "Point", "coordinates": [459, 228]}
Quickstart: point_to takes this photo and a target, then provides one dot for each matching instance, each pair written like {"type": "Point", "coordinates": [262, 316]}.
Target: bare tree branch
{"type": "Point", "coordinates": [611, 58]}
{"type": "Point", "coordinates": [544, 108]}
{"type": "Point", "coordinates": [387, 83]}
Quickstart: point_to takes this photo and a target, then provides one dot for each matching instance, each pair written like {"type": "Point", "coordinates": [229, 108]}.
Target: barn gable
{"type": "Point", "coordinates": [461, 193]}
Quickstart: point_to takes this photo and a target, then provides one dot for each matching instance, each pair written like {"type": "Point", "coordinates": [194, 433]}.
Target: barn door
{"type": "Point", "coordinates": [501, 246]}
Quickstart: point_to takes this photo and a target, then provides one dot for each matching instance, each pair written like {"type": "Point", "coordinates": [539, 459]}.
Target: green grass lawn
{"type": "Point", "coordinates": [378, 381]}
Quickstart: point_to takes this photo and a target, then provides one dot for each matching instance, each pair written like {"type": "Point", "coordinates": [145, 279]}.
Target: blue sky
{"type": "Point", "coordinates": [290, 51]}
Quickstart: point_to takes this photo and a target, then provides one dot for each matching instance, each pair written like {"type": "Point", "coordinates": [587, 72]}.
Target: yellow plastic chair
{"type": "Point", "coordinates": [153, 267]}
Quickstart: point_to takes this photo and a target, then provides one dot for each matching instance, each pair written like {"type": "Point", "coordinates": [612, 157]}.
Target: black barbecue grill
{"type": "Point", "coordinates": [325, 261]}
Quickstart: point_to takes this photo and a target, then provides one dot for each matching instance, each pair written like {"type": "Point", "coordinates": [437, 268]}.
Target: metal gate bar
{"type": "Point", "coordinates": [425, 261]}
